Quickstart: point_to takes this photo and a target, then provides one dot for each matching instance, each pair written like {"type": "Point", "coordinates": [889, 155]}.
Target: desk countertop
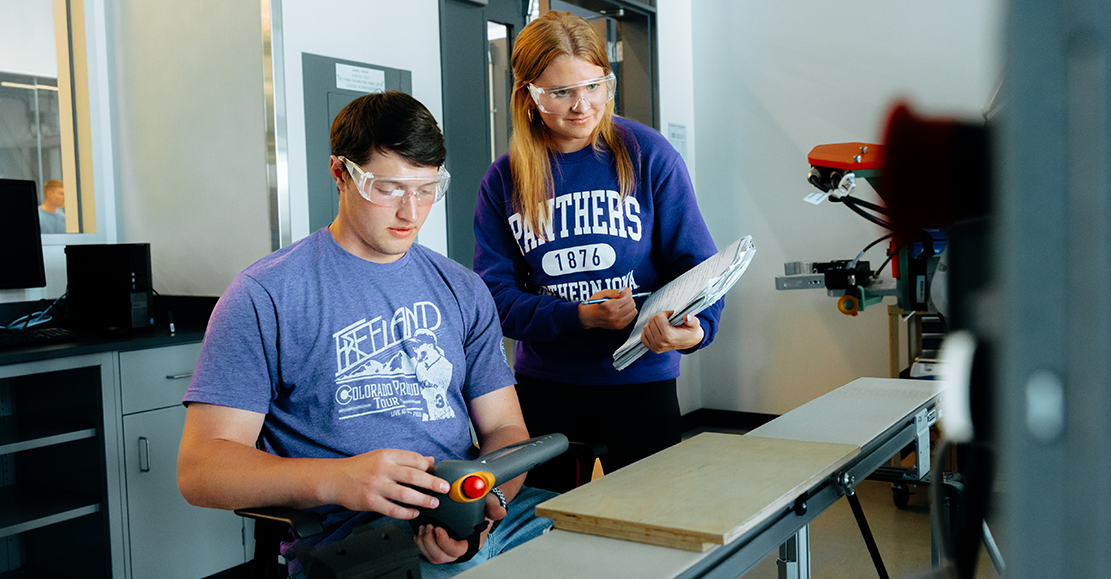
{"type": "Point", "coordinates": [95, 344]}
{"type": "Point", "coordinates": [191, 319]}
{"type": "Point", "coordinates": [855, 413]}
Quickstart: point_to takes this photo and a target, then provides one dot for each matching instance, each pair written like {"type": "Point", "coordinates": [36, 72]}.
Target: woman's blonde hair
{"type": "Point", "coordinates": [551, 36]}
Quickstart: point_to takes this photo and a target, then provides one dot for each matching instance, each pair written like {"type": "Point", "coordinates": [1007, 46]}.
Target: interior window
{"type": "Point", "coordinates": [38, 141]}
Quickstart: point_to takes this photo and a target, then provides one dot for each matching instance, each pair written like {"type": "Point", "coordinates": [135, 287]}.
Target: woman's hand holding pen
{"type": "Point", "coordinates": [616, 312]}
{"type": "Point", "coordinates": [660, 336]}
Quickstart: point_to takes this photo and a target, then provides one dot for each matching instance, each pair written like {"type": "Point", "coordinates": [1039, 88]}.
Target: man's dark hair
{"type": "Point", "coordinates": [388, 121]}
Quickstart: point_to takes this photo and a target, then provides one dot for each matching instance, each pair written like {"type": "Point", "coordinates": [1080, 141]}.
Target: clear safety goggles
{"type": "Point", "coordinates": [391, 190]}
{"type": "Point", "coordinates": [558, 100]}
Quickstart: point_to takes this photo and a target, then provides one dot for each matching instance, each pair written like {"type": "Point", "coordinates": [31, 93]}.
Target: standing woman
{"type": "Point", "coordinates": [588, 205]}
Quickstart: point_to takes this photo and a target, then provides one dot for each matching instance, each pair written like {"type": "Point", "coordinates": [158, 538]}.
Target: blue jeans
{"type": "Point", "coordinates": [519, 526]}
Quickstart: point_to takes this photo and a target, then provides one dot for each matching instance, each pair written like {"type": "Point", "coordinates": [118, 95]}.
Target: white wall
{"type": "Point", "coordinates": [774, 79]}
{"type": "Point", "coordinates": [189, 138]}
{"type": "Point", "coordinates": [675, 52]}
{"type": "Point", "coordinates": [676, 72]}
{"type": "Point", "coordinates": [403, 35]}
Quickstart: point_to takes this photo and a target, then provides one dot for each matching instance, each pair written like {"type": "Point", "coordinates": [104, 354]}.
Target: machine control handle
{"type": "Point", "coordinates": [462, 510]}
{"type": "Point", "coordinates": [516, 459]}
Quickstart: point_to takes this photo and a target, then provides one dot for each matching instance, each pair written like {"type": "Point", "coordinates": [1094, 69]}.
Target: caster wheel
{"type": "Point", "coordinates": [900, 493]}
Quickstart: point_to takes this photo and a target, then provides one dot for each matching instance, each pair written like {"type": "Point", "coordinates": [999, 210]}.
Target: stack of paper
{"type": "Point", "coordinates": [689, 293]}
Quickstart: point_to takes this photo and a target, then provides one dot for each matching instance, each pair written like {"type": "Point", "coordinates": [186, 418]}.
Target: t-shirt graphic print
{"type": "Point", "coordinates": [394, 367]}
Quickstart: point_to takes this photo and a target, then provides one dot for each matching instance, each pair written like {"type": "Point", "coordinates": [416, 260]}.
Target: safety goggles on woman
{"type": "Point", "coordinates": [391, 190]}
{"type": "Point", "coordinates": [557, 100]}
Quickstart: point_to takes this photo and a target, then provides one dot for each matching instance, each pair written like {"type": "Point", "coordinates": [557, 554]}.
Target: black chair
{"type": "Point", "coordinates": [271, 525]}
{"type": "Point", "coordinates": [367, 553]}
{"type": "Point", "coordinates": [376, 554]}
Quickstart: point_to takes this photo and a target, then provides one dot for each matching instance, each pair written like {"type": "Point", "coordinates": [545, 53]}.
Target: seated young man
{"type": "Point", "coordinates": [358, 356]}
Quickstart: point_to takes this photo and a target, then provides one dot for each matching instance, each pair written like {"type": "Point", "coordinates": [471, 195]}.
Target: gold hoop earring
{"type": "Point", "coordinates": [530, 115]}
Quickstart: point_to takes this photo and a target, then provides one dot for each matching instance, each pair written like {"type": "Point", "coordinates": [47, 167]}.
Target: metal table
{"type": "Point", "coordinates": [879, 415]}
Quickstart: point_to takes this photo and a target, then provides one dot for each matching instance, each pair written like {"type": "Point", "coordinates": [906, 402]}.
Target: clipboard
{"type": "Point", "coordinates": [690, 293]}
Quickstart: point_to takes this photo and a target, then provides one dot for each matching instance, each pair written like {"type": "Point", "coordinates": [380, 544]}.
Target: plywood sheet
{"type": "Point", "coordinates": [567, 555]}
{"type": "Point", "coordinates": [856, 413]}
{"type": "Point", "coordinates": [705, 491]}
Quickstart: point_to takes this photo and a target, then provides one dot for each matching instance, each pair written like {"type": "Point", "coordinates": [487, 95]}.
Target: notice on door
{"type": "Point", "coordinates": [677, 134]}
{"type": "Point", "coordinates": [361, 79]}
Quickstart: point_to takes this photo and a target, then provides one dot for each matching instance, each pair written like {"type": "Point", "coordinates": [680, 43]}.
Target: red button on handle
{"type": "Point", "coordinates": [473, 487]}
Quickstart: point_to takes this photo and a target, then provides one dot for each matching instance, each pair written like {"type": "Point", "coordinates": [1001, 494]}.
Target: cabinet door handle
{"type": "Point", "coordinates": [144, 454]}
{"type": "Point", "coordinates": [179, 376]}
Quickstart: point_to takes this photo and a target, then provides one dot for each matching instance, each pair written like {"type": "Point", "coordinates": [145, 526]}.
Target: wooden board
{"type": "Point", "coordinates": [704, 491]}
{"type": "Point", "coordinates": [567, 555]}
{"type": "Point", "coordinates": [856, 413]}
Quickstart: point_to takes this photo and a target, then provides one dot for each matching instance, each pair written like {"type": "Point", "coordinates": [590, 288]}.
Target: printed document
{"type": "Point", "coordinates": [689, 293]}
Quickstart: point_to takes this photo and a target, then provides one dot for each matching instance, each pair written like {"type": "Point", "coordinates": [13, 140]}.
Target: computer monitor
{"type": "Point", "coordinates": [21, 263]}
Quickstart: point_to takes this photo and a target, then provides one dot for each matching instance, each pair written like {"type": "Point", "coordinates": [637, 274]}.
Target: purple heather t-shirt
{"type": "Point", "coordinates": [345, 356]}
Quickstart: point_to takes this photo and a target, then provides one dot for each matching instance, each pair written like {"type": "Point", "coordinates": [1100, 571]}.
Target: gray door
{"type": "Point", "coordinates": [328, 89]}
{"type": "Point", "coordinates": [475, 44]}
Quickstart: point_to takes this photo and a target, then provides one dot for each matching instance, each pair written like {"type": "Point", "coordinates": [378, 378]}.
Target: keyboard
{"type": "Point", "coordinates": [35, 337]}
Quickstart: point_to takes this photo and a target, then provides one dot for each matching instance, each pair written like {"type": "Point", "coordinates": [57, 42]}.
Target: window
{"type": "Point", "coordinates": [44, 109]}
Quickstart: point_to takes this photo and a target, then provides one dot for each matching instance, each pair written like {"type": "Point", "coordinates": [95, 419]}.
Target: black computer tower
{"type": "Point", "coordinates": [109, 287]}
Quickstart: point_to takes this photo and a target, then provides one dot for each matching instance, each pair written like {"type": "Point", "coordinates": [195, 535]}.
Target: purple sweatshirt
{"type": "Point", "coordinates": [595, 241]}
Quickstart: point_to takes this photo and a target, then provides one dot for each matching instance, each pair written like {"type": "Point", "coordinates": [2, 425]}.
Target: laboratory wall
{"type": "Point", "coordinates": [774, 79]}
{"type": "Point", "coordinates": [189, 143]}
{"type": "Point", "coordinates": [676, 93]}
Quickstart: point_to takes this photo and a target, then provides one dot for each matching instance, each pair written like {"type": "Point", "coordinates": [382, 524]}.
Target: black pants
{"type": "Point", "coordinates": [632, 420]}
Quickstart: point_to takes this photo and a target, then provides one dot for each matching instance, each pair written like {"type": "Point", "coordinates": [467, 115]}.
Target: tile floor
{"type": "Point", "coordinates": [837, 549]}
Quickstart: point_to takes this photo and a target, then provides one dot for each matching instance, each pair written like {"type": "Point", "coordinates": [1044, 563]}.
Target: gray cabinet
{"type": "Point", "coordinates": [168, 537]}
{"type": "Point", "coordinates": [88, 471]}
{"type": "Point", "coordinates": [60, 508]}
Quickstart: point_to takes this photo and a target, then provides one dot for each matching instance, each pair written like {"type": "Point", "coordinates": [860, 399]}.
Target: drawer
{"type": "Point", "coordinates": [157, 377]}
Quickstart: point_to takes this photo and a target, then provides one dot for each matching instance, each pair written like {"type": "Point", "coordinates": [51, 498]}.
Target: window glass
{"type": "Point", "coordinates": [34, 144]}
